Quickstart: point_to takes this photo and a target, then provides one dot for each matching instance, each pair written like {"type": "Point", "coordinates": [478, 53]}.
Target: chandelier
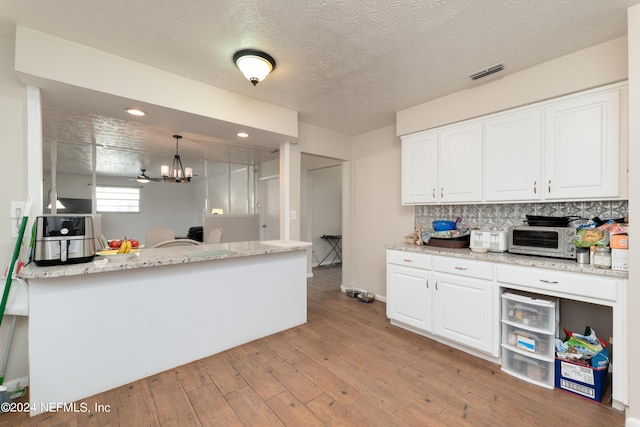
{"type": "Point", "coordinates": [177, 173]}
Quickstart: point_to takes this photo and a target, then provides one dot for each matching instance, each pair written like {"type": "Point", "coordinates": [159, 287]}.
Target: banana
{"type": "Point", "coordinates": [125, 247]}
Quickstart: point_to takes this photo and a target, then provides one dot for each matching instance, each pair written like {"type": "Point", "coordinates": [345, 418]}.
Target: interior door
{"type": "Point", "coordinates": [269, 208]}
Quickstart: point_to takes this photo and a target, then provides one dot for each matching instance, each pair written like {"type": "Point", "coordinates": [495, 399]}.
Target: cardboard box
{"type": "Point", "coordinates": [619, 259]}
{"type": "Point", "coordinates": [582, 380]}
{"type": "Point", "coordinates": [619, 241]}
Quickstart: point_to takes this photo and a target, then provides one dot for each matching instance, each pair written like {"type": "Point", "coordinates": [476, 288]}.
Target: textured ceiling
{"type": "Point", "coordinates": [342, 64]}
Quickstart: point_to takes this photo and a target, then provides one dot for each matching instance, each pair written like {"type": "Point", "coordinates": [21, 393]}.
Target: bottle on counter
{"type": "Point", "coordinates": [602, 257]}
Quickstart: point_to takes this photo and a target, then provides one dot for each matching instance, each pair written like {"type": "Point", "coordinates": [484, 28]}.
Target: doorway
{"type": "Point", "coordinates": [269, 205]}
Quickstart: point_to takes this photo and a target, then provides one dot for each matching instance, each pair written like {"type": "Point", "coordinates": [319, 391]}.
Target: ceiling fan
{"type": "Point", "coordinates": [144, 178]}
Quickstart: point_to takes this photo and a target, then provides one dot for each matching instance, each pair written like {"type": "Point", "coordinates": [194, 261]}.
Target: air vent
{"type": "Point", "coordinates": [487, 72]}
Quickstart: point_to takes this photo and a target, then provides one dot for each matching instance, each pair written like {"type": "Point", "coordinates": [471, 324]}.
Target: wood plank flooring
{"type": "Point", "coordinates": [347, 366]}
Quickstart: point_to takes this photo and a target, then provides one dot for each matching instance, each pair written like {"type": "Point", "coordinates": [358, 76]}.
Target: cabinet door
{"type": "Point", "coordinates": [582, 146]}
{"type": "Point", "coordinates": [419, 168]}
{"type": "Point", "coordinates": [513, 151]}
{"type": "Point", "coordinates": [460, 163]}
{"type": "Point", "coordinates": [463, 311]}
{"type": "Point", "coordinates": [409, 296]}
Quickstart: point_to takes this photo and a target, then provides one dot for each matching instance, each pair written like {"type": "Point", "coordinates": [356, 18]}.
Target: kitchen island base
{"type": "Point", "coordinates": [94, 332]}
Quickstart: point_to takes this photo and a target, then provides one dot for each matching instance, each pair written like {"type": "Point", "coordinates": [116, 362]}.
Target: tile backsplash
{"type": "Point", "coordinates": [501, 216]}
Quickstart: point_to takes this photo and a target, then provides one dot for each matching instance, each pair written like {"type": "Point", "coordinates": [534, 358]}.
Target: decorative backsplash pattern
{"type": "Point", "coordinates": [502, 215]}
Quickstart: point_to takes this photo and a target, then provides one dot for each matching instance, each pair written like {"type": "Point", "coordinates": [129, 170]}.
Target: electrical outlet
{"type": "Point", "coordinates": [292, 215]}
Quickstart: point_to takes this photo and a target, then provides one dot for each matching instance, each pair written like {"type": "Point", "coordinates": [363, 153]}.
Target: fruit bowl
{"type": "Point", "coordinates": [113, 254]}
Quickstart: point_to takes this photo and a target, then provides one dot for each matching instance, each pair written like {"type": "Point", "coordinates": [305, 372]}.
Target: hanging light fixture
{"type": "Point", "coordinates": [254, 64]}
{"type": "Point", "coordinates": [177, 173]}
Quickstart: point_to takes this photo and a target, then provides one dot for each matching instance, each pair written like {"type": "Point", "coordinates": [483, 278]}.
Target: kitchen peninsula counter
{"type": "Point", "coordinates": [99, 325]}
{"type": "Point", "coordinates": [155, 257]}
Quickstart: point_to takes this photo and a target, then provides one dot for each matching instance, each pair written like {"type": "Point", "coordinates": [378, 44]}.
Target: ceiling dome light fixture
{"type": "Point", "coordinates": [242, 135]}
{"type": "Point", "coordinates": [254, 64]}
{"type": "Point", "coordinates": [177, 173]}
{"type": "Point", "coordinates": [135, 111]}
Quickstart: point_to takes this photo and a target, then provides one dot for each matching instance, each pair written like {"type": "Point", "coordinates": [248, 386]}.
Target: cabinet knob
{"type": "Point", "coordinates": [442, 192]}
{"type": "Point", "coordinates": [427, 283]}
{"type": "Point", "coordinates": [551, 282]}
{"type": "Point", "coordinates": [535, 187]}
{"type": "Point", "coordinates": [549, 187]}
{"type": "Point", "coordinates": [407, 260]}
{"type": "Point", "coordinates": [460, 268]}
{"type": "Point", "coordinates": [433, 193]}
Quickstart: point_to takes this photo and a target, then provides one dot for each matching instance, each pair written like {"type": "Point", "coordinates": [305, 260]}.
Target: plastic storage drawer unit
{"type": "Point", "coordinates": [530, 313]}
{"type": "Point", "coordinates": [527, 341]}
{"type": "Point", "coordinates": [529, 329]}
{"type": "Point", "coordinates": [528, 368]}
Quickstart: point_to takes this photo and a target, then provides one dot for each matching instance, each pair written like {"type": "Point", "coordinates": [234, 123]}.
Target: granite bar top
{"type": "Point", "coordinates": [154, 257]}
{"type": "Point", "coordinates": [512, 259]}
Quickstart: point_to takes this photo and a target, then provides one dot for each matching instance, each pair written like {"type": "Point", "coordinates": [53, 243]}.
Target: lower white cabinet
{"type": "Point", "coordinates": [409, 296]}
{"type": "Point", "coordinates": [464, 311]}
{"type": "Point", "coordinates": [408, 289]}
{"type": "Point", "coordinates": [457, 305]}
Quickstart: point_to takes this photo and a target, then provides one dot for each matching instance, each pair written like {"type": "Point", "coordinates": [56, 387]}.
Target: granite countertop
{"type": "Point", "coordinates": [512, 259]}
{"type": "Point", "coordinates": [154, 257]}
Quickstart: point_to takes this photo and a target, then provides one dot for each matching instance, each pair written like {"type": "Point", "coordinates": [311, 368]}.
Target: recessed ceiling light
{"type": "Point", "coordinates": [135, 111]}
{"type": "Point", "coordinates": [242, 134]}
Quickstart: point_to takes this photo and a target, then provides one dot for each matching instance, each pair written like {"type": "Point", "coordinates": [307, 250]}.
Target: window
{"type": "Point", "coordinates": [117, 199]}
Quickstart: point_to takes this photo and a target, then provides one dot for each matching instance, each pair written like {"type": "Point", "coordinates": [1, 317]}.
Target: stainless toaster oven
{"type": "Point", "coordinates": [555, 242]}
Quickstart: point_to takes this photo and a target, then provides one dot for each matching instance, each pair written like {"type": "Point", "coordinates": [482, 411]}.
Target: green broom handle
{"type": "Point", "coordinates": [16, 253]}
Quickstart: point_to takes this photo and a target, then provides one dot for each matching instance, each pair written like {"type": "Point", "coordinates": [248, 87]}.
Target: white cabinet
{"type": "Point", "coordinates": [460, 163]}
{"type": "Point", "coordinates": [458, 302]}
{"type": "Point", "coordinates": [443, 166]}
{"type": "Point", "coordinates": [409, 296]}
{"type": "Point", "coordinates": [464, 306]}
{"type": "Point", "coordinates": [513, 156]}
{"type": "Point", "coordinates": [568, 148]}
{"type": "Point", "coordinates": [582, 146]}
{"type": "Point", "coordinates": [420, 168]}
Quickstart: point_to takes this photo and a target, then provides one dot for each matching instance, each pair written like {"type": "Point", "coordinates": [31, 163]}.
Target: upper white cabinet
{"type": "Point", "coordinates": [582, 146]}
{"type": "Point", "coordinates": [443, 166]}
{"type": "Point", "coordinates": [513, 154]}
{"type": "Point", "coordinates": [460, 163]}
{"type": "Point", "coordinates": [568, 148]}
{"type": "Point", "coordinates": [420, 168]}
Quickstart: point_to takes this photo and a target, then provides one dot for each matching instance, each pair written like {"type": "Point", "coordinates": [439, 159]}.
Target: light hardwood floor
{"type": "Point", "coordinates": [347, 366]}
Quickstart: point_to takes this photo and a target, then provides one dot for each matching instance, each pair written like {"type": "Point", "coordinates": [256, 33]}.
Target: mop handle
{"type": "Point", "coordinates": [16, 253]}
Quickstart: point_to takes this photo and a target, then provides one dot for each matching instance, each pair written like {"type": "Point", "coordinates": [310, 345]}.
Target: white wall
{"type": "Point", "coordinates": [13, 144]}
{"type": "Point", "coordinates": [595, 66]}
{"type": "Point", "coordinates": [378, 215]}
{"type": "Point", "coordinates": [633, 339]}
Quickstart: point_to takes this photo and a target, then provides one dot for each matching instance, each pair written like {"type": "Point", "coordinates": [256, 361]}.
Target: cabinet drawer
{"type": "Point", "coordinates": [463, 267]}
{"type": "Point", "coordinates": [528, 368]}
{"type": "Point", "coordinates": [515, 337]}
{"type": "Point", "coordinates": [409, 259]}
{"type": "Point", "coordinates": [582, 285]}
{"type": "Point", "coordinates": [530, 313]}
